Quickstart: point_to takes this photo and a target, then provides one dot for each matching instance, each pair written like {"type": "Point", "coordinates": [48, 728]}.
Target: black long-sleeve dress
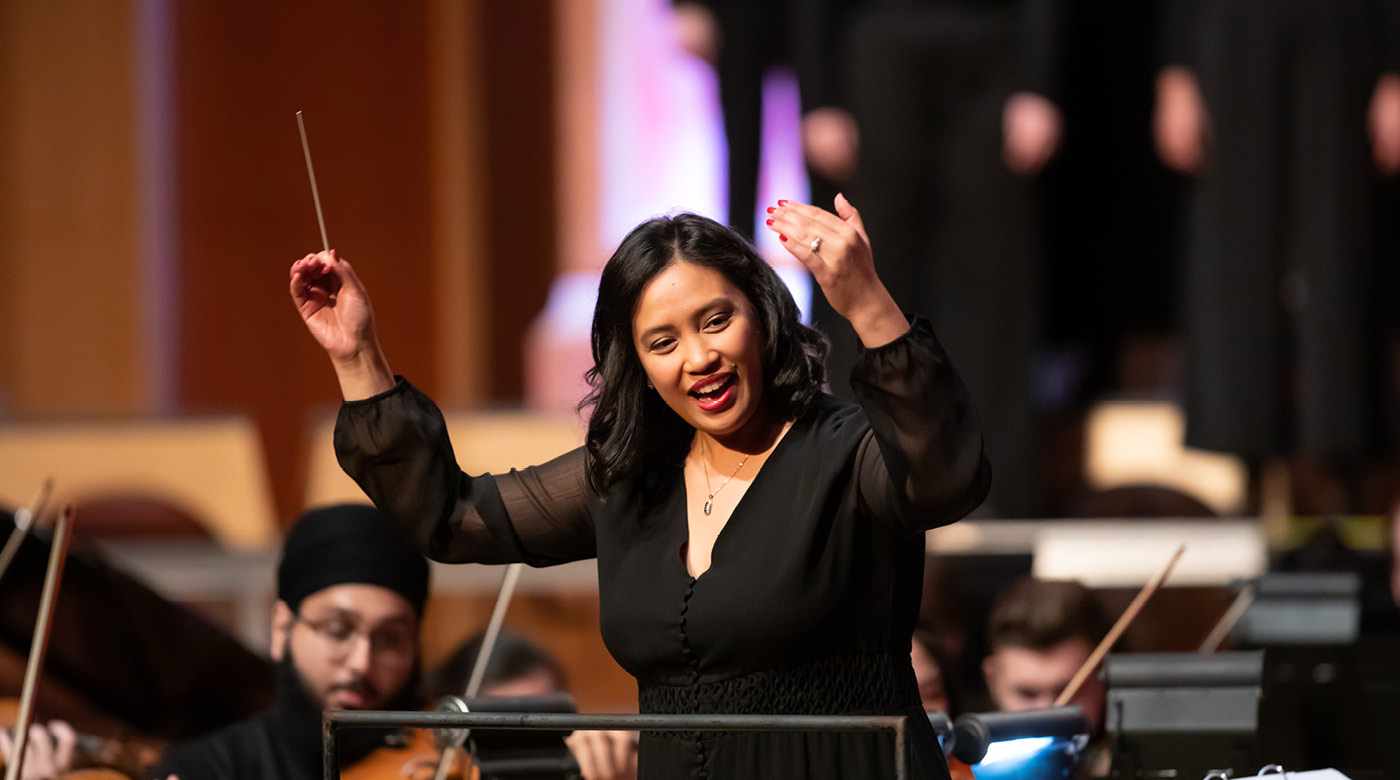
{"type": "Point", "coordinates": [811, 597]}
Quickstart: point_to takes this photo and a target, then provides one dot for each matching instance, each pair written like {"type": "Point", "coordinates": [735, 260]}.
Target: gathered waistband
{"type": "Point", "coordinates": [863, 684]}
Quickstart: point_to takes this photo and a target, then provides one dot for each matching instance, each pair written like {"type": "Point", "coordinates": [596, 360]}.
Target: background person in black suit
{"type": "Point", "coordinates": [1285, 112]}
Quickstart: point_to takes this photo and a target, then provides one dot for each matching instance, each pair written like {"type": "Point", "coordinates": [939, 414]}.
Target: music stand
{"type": "Point", "coordinates": [1309, 623]}
{"type": "Point", "coordinates": [1302, 608]}
{"type": "Point", "coordinates": [1183, 712]}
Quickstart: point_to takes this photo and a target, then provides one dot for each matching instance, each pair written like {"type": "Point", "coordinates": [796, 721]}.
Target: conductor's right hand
{"type": "Point", "coordinates": [333, 304]}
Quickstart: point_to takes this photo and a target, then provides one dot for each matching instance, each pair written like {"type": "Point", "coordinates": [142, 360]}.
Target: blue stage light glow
{"type": "Point", "coordinates": [1029, 758]}
{"type": "Point", "coordinates": [1016, 749]}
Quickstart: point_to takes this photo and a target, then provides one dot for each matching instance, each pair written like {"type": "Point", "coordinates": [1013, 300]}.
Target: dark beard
{"type": "Point", "coordinates": [296, 713]}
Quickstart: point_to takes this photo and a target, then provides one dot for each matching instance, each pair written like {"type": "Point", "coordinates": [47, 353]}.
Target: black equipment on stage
{"type": "Point", "coordinates": [1027, 745]}
{"type": "Point", "coordinates": [943, 729]}
{"type": "Point", "coordinates": [1317, 710]}
{"type": "Point", "coordinates": [1184, 712]}
{"type": "Point", "coordinates": [1302, 608]}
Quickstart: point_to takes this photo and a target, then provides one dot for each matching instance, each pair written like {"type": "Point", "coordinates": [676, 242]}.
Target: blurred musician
{"type": "Point", "coordinates": [931, 671]}
{"type": "Point", "coordinates": [350, 595]}
{"type": "Point", "coordinates": [1039, 633]}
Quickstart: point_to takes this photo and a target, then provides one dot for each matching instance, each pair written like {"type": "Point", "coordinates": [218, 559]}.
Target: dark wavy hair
{"type": "Point", "coordinates": [1039, 614]}
{"type": "Point", "coordinates": [631, 426]}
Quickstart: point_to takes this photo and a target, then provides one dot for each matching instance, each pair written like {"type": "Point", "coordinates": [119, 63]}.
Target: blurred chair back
{"type": "Point", "coordinates": [162, 478]}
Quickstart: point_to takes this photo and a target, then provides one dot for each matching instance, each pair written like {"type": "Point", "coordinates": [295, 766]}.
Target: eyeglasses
{"type": "Point", "coordinates": [338, 637]}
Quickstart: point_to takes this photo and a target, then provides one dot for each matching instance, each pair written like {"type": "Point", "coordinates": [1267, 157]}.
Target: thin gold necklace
{"type": "Point", "coordinates": [705, 464]}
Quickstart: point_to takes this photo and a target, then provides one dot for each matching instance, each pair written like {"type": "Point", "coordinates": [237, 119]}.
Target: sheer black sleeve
{"type": "Point", "coordinates": [395, 446]}
{"type": "Point", "coordinates": [922, 465]}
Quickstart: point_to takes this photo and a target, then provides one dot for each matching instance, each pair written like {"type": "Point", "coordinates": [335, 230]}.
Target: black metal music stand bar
{"type": "Point", "coordinates": [332, 721]}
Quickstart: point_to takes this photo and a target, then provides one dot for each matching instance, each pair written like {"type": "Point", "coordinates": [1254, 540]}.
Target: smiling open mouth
{"type": "Point", "coordinates": [716, 392]}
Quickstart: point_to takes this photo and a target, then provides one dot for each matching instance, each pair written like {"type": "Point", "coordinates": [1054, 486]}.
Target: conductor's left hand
{"type": "Point", "coordinates": [835, 248]}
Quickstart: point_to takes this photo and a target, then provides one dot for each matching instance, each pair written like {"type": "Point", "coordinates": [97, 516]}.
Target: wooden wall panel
{"type": "Point", "coordinates": [460, 201]}
{"type": "Point", "coordinates": [364, 74]}
{"type": "Point", "coordinates": [432, 128]}
{"type": "Point", "coordinates": [71, 306]}
{"type": "Point", "coordinates": [359, 73]}
{"type": "Point", "coordinates": [518, 78]}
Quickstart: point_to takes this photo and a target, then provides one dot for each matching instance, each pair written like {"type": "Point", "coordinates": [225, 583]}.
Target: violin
{"type": "Point", "coordinates": [94, 757]}
{"type": "Point", "coordinates": [416, 758]}
{"type": "Point", "coordinates": [957, 770]}
{"type": "Point", "coordinates": [422, 757]}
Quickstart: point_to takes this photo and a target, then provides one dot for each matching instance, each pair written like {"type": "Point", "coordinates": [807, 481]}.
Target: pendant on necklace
{"type": "Point", "coordinates": [708, 502]}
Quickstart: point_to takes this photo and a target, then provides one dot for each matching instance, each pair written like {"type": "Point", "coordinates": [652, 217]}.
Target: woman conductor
{"type": "Point", "coordinates": [759, 544]}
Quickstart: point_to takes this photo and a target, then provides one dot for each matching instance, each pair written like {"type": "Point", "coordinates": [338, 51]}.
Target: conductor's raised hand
{"type": "Point", "coordinates": [333, 304]}
{"type": "Point", "coordinates": [336, 309]}
{"type": "Point", "coordinates": [836, 250]}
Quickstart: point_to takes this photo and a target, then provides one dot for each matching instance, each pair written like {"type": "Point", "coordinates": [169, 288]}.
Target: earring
{"type": "Point", "coordinates": [649, 387]}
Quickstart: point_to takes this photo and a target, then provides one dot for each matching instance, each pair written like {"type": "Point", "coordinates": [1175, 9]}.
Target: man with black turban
{"type": "Point", "coordinates": [350, 595]}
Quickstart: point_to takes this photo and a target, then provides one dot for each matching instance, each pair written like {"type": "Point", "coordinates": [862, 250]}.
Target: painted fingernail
{"type": "Point", "coordinates": [771, 209]}
{"type": "Point", "coordinates": [769, 223]}
{"type": "Point", "coordinates": [782, 203]}
{"type": "Point", "coordinates": [782, 237]}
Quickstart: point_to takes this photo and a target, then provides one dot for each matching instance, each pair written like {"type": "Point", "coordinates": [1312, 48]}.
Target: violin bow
{"type": "Point", "coordinates": [25, 518]}
{"type": "Point", "coordinates": [53, 575]}
{"type": "Point", "coordinates": [1118, 628]}
{"type": "Point", "coordinates": [1228, 620]}
{"type": "Point", "coordinates": [483, 656]}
